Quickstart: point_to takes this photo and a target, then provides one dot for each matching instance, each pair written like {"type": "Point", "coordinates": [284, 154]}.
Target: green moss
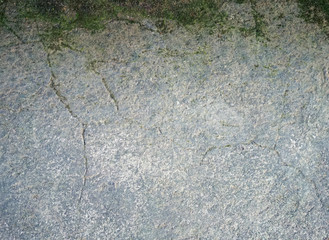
{"type": "Point", "coordinates": [246, 31]}
{"type": "Point", "coordinates": [90, 13]}
{"type": "Point", "coordinates": [260, 25]}
{"type": "Point", "coordinates": [65, 15]}
{"type": "Point", "coordinates": [240, 1]}
{"type": "Point", "coordinates": [207, 13]}
{"type": "Point", "coordinates": [3, 4]}
{"type": "Point", "coordinates": [315, 11]}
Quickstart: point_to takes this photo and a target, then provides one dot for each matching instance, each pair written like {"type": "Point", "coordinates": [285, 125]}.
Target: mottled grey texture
{"type": "Point", "coordinates": [141, 135]}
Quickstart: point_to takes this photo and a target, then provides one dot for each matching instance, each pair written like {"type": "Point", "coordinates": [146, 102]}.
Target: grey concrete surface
{"type": "Point", "coordinates": [136, 134]}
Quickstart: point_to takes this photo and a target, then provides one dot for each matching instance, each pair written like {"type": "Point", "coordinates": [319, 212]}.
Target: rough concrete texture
{"type": "Point", "coordinates": [136, 134]}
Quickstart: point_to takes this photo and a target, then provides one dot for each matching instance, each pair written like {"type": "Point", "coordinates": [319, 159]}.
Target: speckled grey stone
{"type": "Point", "coordinates": [136, 134]}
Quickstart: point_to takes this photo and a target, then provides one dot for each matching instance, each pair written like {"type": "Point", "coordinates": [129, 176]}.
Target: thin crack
{"type": "Point", "coordinates": [300, 172]}
{"type": "Point", "coordinates": [325, 75]}
{"type": "Point", "coordinates": [84, 126]}
{"type": "Point", "coordinates": [58, 93]}
{"type": "Point", "coordinates": [10, 29]}
{"type": "Point", "coordinates": [206, 153]}
{"type": "Point", "coordinates": [61, 97]}
{"type": "Point", "coordinates": [19, 44]}
{"type": "Point", "coordinates": [107, 87]}
{"type": "Point", "coordinates": [266, 147]}
{"type": "Point", "coordinates": [310, 181]}
{"type": "Point", "coordinates": [64, 101]}
{"type": "Point", "coordinates": [202, 162]}
{"type": "Point", "coordinates": [111, 94]}
{"type": "Point", "coordinates": [83, 135]}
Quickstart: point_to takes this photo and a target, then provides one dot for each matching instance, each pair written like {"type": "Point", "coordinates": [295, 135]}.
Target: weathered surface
{"type": "Point", "coordinates": [132, 134]}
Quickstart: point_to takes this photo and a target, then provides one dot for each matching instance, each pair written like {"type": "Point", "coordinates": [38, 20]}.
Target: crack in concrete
{"type": "Point", "coordinates": [206, 153]}
{"type": "Point", "coordinates": [57, 91]}
{"type": "Point", "coordinates": [217, 147]}
{"type": "Point", "coordinates": [107, 87]}
{"type": "Point", "coordinates": [111, 94]}
{"type": "Point", "coordinates": [325, 75]}
{"type": "Point", "coordinates": [310, 181]}
{"type": "Point", "coordinates": [83, 135]}
{"type": "Point", "coordinates": [19, 44]}
{"type": "Point", "coordinates": [84, 126]}
{"type": "Point", "coordinates": [62, 98]}
{"type": "Point", "coordinates": [64, 101]}
{"type": "Point", "coordinates": [266, 147]}
{"type": "Point", "coordinates": [282, 163]}
{"type": "Point", "coordinates": [10, 29]}
{"type": "Point", "coordinates": [300, 172]}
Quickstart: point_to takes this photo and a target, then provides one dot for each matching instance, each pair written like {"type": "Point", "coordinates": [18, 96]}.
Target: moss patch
{"type": "Point", "coordinates": [3, 4]}
{"type": "Point", "coordinates": [90, 13]}
{"type": "Point", "coordinates": [65, 15]}
{"type": "Point", "coordinates": [315, 11]}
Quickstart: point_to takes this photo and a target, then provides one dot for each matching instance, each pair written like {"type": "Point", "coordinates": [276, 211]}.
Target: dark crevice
{"type": "Point", "coordinates": [4, 20]}
{"type": "Point", "coordinates": [61, 97]}
{"type": "Point", "coordinates": [206, 153]}
{"type": "Point", "coordinates": [210, 149]}
{"type": "Point", "coordinates": [325, 76]}
{"type": "Point", "coordinates": [10, 29]}
{"type": "Point", "coordinates": [83, 135]}
{"type": "Point", "coordinates": [107, 87]}
{"type": "Point", "coordinates": [266, 147]}
{"type": "Point", "coordinates": [66, 104]}
{"type": "Point", "coordinates": [19, 44]}
{"type": "Point", "coordinates": [298, 170]}
{"type": "Point", "coordinates": [307, 179]}
{"type": "Point", "coordinates": [57, 91]}
{"type": "Point", "coordinates": [111, 94]}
